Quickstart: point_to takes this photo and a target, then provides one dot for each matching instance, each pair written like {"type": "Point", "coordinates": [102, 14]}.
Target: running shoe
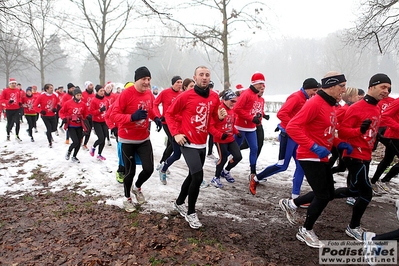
{"type": "Point", "coordinates": [216, 182]}
{"type": "Point", "coordinates": [193, 221]}
{"type": "Point", "coordinates": [162, 177]}
{"type": "Point", "coordinates": [350, 201]}
{"type": "Point", "coordinates": [119, 177]}
{"type": "Point", "coordinates": [290, 213]}
{"type": "Point", "coordinates": [85, 147]}
{"type": "Point", "coordinates": [309, 237]}
{"type": "Point", "coordinates": [369, 248]}
{"type": "Point", "coordinates": [75, 160]}
{"type": "Point", "coordinates": [356, 233]}
{"type": "Point", "coordinates": [128, 205]}
{"type": "Point", "coordinates": [92, 151]}
{"type": "Point", "coordinates": [139, 195]}
{"type": "Point", "coordinates": [227, 175]}
{"type": "Point", "coordinates": [101, 158]}
{"type": "Point", "coordinates": [18, 139]}
{"type": "Point", "coordinates": [204, 184]}
{"type": "Point", "coordinates": [159, 167]}
{"type": "Point", "coordinates": [253, 184]}
{"type": "Point", "coordinates": [182, 209]}
{"type": "Point", "coordinates": [8, 137]}
{"type": "Point", "coordinates": [67, 155]}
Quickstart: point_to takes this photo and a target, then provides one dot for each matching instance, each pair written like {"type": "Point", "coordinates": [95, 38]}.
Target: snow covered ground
{"type": "Point", "coordinates": [99, 176]}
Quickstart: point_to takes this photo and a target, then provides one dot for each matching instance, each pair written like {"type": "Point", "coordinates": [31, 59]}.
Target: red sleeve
{"type": "Point", "coordinates": [389, 116]}
{"type": "Point", "coordinates": [117, 113]}
{"type": "Point", "coordinates": [172, 115]}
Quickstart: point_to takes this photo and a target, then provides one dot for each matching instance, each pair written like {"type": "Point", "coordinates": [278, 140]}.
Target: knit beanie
{"type": "Point", "coordinates": [77, 91]}
{"type": "Point", "coordinates": [229, 95]}
{"type": "Point", "coordinates": [378, 79]}
{"type": "Point", "coordinates": [70, 85]}
{"type": "Point", "coordinates": [141, 72]}
{"type": "Point", "coordinates": [176, 78]}
{"type": "Point", "coordinates": [310, 83]}
{"type": "Point", "coordinates": [257, 78]}
{"type": "Point", "coordinates": [98, 87]}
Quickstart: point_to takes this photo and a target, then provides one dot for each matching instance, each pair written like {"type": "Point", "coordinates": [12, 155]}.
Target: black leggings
{"type": "Point", "coordinates": [76, 134]}
{"type": "Point", "coordinates": [87, 136]}
{"type": "Point", "coordinates": [224, 149]}
{"type": "Point", "coordinates": [12, 117]}
{"type": "Point", "coordinates": [51, 126]}
{"type": "Point", "coordinates": [144, 151]}
{"type": "Point", "coordinates": [320, 179]}
{"type": "Point", "coordinates": [359, 186]}
{"type": "Point", "coordinates": [31, 119]}
{"type": "Point", "coordinates": [169, 148]}
{"type": "Point", "coordinates": [195, 159]}
{"type": "Point", "coordinates": [391, 149]}
{"type": "Point", "coordinates": [101, 130]}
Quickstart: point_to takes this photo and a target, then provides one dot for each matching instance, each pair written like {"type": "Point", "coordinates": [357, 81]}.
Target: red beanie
{"type": "Point", "coordinates": [257, 78]}
{"type": "Point", "coordinates": [12, 80]}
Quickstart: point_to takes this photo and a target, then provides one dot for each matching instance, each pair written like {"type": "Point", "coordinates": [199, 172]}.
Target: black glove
{"type": "Point", "coordinates": [43, 112]}
{"type": "Point", "coordinates": [114, 131]}
{"type": "Point", "coordinates": [239, 135]}
{"type": "Point", "coordinates": [102, 109]}
{"type": "Point", "coordinates": [256, 120]}
{"type": "Point", "coordinates": [139, 115]}
{"type": "Point", "coordinates": [54, 110]}
{"type": "Point", "coordinates": [365, 125]}
{"type": "Point", "coordinates": [267, 117]}
{"type": "Point", "coordinates": [277, 129]}
{"type": "Point", "coordinates": [158, 122]}
{"type": "Point", "coordinates": [224, 136]}
{"type": "Point", "coordinates": [162, 118]}
{"type": "Point", "coordinates": [64, 120]}
{"type": "Point", "coordinates": [10, 101]}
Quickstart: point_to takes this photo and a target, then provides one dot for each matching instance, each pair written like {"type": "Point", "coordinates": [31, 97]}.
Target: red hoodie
{"type": "Point", "coordinates": [166, 98]}
{"type": "Point", "coordinates": [384, 104]}
{"type": "Point", "coordinates": [314, 123]}
{"type": "Point", "coordinates": [28, 103]}
{"type": "Point", "coordinates": [190, 114]}
{"type": "Point", "coordinates": [128, 102]}
{"type": "Point", "coordinates": [87, 97]}
{"type": "Point", "coordinates": [349, 129]}
{"type": "Point", "coordinates": [11, 94]}
{"type": "Point", "coordinates": [248, 105]}
{"type": "Point", "coordinates": [217, 127]}
{"type": "Point", "coordinates": [46, 102]}
{"type": "Point", "coordinates": [390, 117]}
{"type": "Point", "coordinates": [95, 106]}
{"type": "Point", "coordinates": [74, 111]}
{"type": "Point", "coordinates": [291, 107]}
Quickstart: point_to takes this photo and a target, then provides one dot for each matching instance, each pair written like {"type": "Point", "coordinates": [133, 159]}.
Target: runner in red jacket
{"type": "Point", "coordinates": [313, 129]}
{"type": "Point", "coordinates": [11, 98]}
{"type": "Point", "coordinates": [73, 112]}
{"type": "Point", "coordinates": [188, 120]}
{"type": "Point", "coordinates": [47, 105]}
{"type": "Point", "coordinates": [131, 112]}
{"type": "Point", "coordinates": [29, 111]}
{"type": "Point", "coordinates": [98, 108]}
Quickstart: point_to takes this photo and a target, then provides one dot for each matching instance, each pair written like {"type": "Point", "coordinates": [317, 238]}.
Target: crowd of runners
{"type": "Point", "coordinates": [324, 127]}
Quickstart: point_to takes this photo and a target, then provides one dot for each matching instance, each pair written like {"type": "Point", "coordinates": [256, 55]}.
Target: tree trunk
{"type": "Point", "coordinates": [226, 71]}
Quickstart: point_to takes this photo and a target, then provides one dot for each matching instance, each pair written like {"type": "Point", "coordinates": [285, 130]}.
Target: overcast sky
{"type": "Point", "coordinates": [313, 18]}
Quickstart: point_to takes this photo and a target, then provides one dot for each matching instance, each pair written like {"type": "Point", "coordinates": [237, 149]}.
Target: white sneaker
{"type": "Point", "coordinates": [369, 248]}
{"type": "Point", "coordinates": [193, 221]}
{"type": "Point", "coordinates": [356, 233]}
{"type": "Point", "coordinates": [204, 184]}
{"type": "Point", "coordinates": [216, 182]}
{"type": "Point", "coordinates": [290, 213]}
{"type": "Point", "coordinates": [162, 177]}
{"type": "Point", "coordinates": [159, 167]}
{"type": "Point", "coordinates": [180, 208]}
{"type": "Point", "coordinates": [129, 206]}
{"type": "Point", "coordinates": [309, 237]}
{"type": "Point", "coordinates": [139, 195]}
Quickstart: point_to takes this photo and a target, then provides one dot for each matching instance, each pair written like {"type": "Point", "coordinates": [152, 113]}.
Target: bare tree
{"type": "Point", "coordinates": [8, 11]}
{"type": "Point", "coordinates": [39, 16]}
{"type": "Point", "coordinates": [101, 28]}
{"type": "Point", "coordinates": [11, 54]}
{"type": "Point", "coordinates": [378, 24]}
{"type": "Point", "coordinates": [217, 37]}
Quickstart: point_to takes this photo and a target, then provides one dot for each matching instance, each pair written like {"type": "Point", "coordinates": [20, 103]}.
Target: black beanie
{"type": "Point", "coordinates": [29, 89]}
{"type": "Point", "coordinates": [77, 91]}
{"type": "Point", "coordinates": [141, 72]}
{"type": "Point", "coordinates": [98, 87]}
{"type": "Point", "coordinates": [176, 78]}
{"type": "Point", "coordinates": [310, 83]}
{"type": "Point", "coordinates": [378, 79]}
{"type": "Point", "coordinates": [70, 85]}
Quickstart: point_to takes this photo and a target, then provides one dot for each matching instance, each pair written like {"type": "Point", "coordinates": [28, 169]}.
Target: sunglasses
{"type": "Point", "coordinates": [233, 101]}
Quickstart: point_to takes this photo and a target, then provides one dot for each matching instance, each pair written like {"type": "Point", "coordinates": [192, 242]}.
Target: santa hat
{"type": "Point", "coordinates": [239, 87]}
{"type": "Point", "coordinates": [12, 80]}
{"type": "Point", "coordinates": [257, 78]}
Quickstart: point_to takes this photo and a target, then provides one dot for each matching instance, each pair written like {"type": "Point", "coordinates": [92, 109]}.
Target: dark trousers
{"type": "Point", "coordinates": [51, 126]}
{"type": "Point", "coordinates": [101, 130]}
{"type": "Point", "coordinates": [174, 157]}
{"type": "Point", "coordinates": [190, 188]}
{"type": "Point", "coordinates": [87, 136]}
{"type": "Point", "coordinates": [31, 119]}
{"type": "Point", "coordinates": [320, 179]}
{"type": "Point", "coordinates": [169, 148]}
{"type": "Point", "coordinates": [224, 150]}
{"type": "Point", "coordinates": [12, 118]}
{"type": "Point", "coordinates": [391, 149]}
{"type": "Point", "coordinates": [144, 151]}
{"type": "Point", "coordinates": [76, 134]}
